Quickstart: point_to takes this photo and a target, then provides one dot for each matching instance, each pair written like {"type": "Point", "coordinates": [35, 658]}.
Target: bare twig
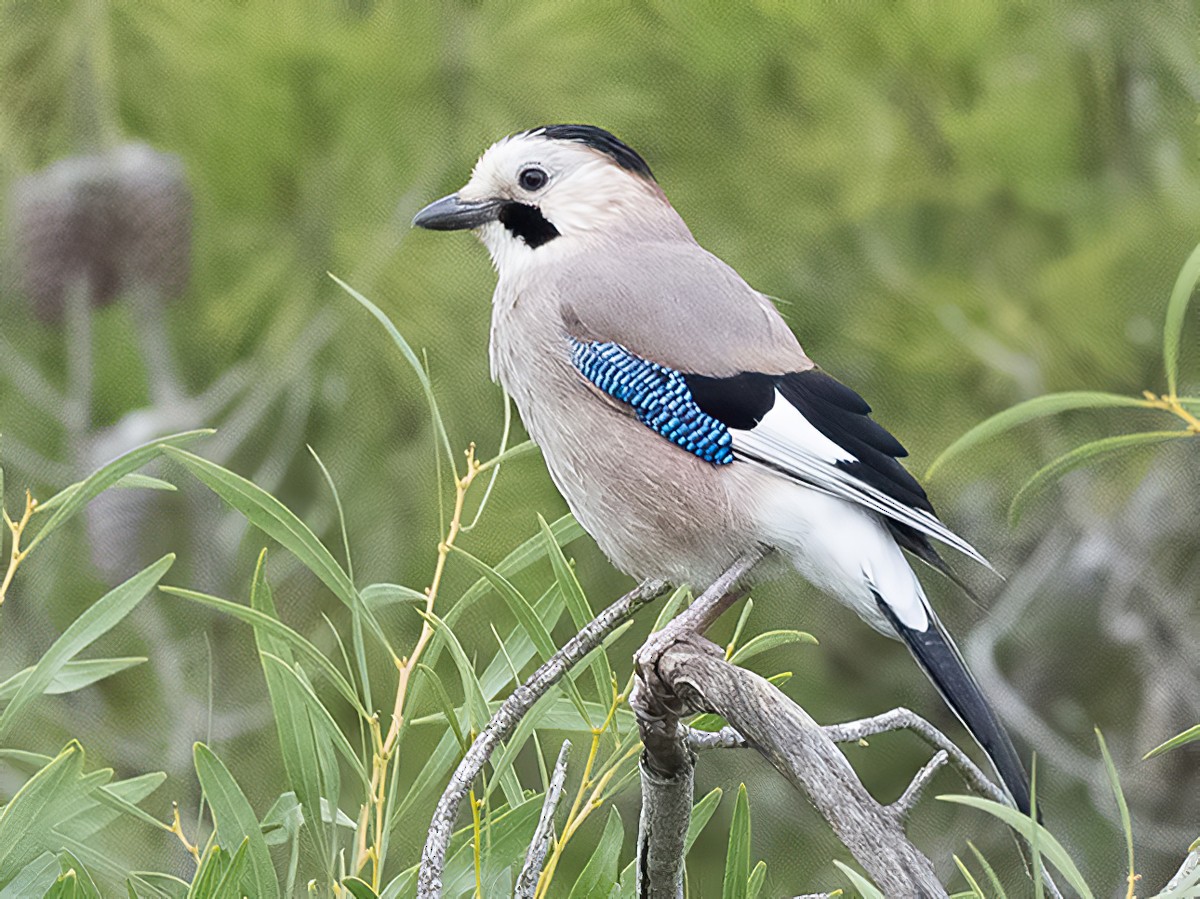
{"type": "Point", "coordinates": [903, 806]}
{"type": "Point", "coordinates": [504, 722]}
{"type": "Point", "coordinates": [904, 719]}
{"type": "Point", "coordinates": [527, 880]}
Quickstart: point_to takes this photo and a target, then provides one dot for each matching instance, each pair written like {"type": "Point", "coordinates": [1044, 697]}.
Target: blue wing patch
{"type": "Point", "coordinates": [659, 396]}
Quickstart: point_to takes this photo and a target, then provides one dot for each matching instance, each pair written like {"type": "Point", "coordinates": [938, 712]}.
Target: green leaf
{"type": "Point", "coordinates": [235, 820]}
{"type": "Point", "coordinates": [866, 889]}
{"type": "Point", "coordinates": [323, 723]}
{"type": "Point", "coordinates": [1188, 736]}
{"type": "Point", "coordinates": [599, 875]}
{"type": "Point", "coordinates": [756, 880]}
{"type": "Point", "coordinates": [737, 857]}
{"type": "Point", "coordinates": [528, 619]}
{"type": "Point", "coordinates": [577, 605]}
{"type": "Point", "coordinates": [769, 640]}
{"type": "Point", "coordinates": [34, 879]}
{"type": "Point", "coordinates": [702, 813]}
{"type": "Point", "coordinates": [476, 702]}
{"type": "Point", "coordinates": [1038, 407]}
{"type": "Point", "coordinates": [279, 523]}
{"type": "Point", "coordinates": [293, 723]}
{"type": "Point", "coordinates": [449, 713]}
{"type": "Point", "coordinates": [359, 889]}
{"type": "Point", "coordinates": [976, 891]}
{"type": "Point", "coordinates": [1050, 847]}
{"type": "Point", "coordinates": [1181, 295]}
{"type": "Point", "coordinates": [27, 822]}
{"type": "Point", "coordinates": [415, 363]}
{"type": "Point", "coordinates": [95, 621]}
{"type": "Point", "coordinates": [377, 595]}
{"type": "Point", "coordinates": [72, 676]}
{"type": "Point", "coordinates": [1080, 456]}
{"type": "Point", "coordinates": [230, 885]}
{"type": "Point", "coordinates": [1122, 806]}
{"type": "Point", "coordinates": [137, 481]}
{"type": "Point", "coordinates": [256, 619]}
{"type": "Point", "coordinates": [993, 879]}
{"type": "Point", "coordinates": [71, 499]}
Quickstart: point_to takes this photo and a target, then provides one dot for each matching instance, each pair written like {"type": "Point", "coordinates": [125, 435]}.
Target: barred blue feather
{"type": "Point", "coordinates": [658, 395]}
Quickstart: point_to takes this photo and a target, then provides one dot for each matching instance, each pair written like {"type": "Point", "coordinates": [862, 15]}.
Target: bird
{"type": "Point", "coordinates": [678, 414]}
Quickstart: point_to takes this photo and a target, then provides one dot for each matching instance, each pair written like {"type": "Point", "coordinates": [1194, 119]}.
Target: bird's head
{"type": "Point", "coordinates": [552, 187]}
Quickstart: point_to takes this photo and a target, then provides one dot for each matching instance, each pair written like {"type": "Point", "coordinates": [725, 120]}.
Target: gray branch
{"type": "Point", "coordinates": [903, 806]}
{"type": "Point", "coordinates": [680, 673]}
{"type": "Point", "coordinates": [903, 719]}
{"type": "Point", "coordinates": [527, 880]}
{"type": "Point", "coordinates": [504, 722]}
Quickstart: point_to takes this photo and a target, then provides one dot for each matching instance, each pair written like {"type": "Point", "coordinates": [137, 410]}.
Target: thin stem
{"type": "Point", "coordinates": [1169, 402]}
{"type": "Point", "coordinates": [16, 554]}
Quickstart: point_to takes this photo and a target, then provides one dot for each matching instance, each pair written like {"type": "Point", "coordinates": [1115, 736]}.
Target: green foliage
{"type": "Point", "coordinates": [957, 208]}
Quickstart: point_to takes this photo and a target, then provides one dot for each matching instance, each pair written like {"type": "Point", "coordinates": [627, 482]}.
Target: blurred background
{"type": "Point", "coordinates": [958, 207]}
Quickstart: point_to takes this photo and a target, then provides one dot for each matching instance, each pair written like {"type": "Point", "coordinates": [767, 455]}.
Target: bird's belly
{"type": "Point", "coordinates": [654, 509]}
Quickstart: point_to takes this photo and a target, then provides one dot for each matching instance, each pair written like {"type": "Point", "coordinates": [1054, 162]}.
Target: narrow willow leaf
{"type": "Point", "coordinates": [27, 821]}
{"type": "Point", "coordinates": [527, 619]}
{"type": "Point", "coordinates": [1181, 295]}
{"type": "Point", "coordinates": [769, 640]}
{"type": "Point", "coordinates": [85, 887]}
{"type": "Point", "coordinates": [137, 481]}
{"type": "Point", "coordinates": [476, 702]}
{"type": "Point", "coordinates": [577, 605]}
{"type": "Point", "coordinates": [95, 621]}
{"type": "Point", "coordinates": [154, 883]}
{"type": "Point", "coordinates": [213, 865]}
{"type": "Point", "coordinates": [72, 676]}
{"type": "Point", "coordinates": [235, 820]}
{"type": "Point", "coordinates": [119, 798]}
{"type": "Point", "coordinates": [702, 813]}
{"type": "Point", "coordinates": [747, 608]}
{"type": "Point", "coordinates": [360, 652]}
{"type": "Point", "coordinates": [1081, 456]}
{"type": "Point", "coordinates": [70, 500]}
{"type": "Point", "coordinates": [495, 676]}
{"type": "Point", "coordinates": [1122, 806]}
{"type": "Point", "coordinates": [449, 713]}
{"type": "Point", "coordinates": [670, 607]}
{"type": "Point", "coordinates": [1038, 407]}
{"type": "Point", "coordinates": [757, 878]}
{"type": "Point", "coordinates": [230, 884]}
{"type": "Point", "coordinates": [1188, 736]}
{"type": "Point", "coordinates": [256, 619]}
{"type": "Point", "coordinates": [993, 879]}
{"type": "Point", "coordinates": [737, 857]}
{"type": "Point", "coordinates": [1049, 847]}
{"type": "Point", "coordinates": [976, 892]}
{"type": "Point", "coordinates": [281, 524]}
{"type": "Point", "coordinates": [599, 875]}
{"type": "Point", "coordinates": [323, 723]}
{"type": "Point", "coordinates": [359, 889]}
{"type": "Point", "coordinates": [34, 879]}
{"type": "Point", "coordinates": [866, 889]}
{"type": "Point", "coordinates": [415, 363]}
{"type": "Point", "coordinates": [377, 595]}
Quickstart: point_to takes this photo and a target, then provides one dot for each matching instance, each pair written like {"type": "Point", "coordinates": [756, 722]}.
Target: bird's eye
{"type": "Point", "coordinates": [532, 178]}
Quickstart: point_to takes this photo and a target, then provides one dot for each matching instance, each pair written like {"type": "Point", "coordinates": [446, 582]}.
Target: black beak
{"type": "Point", "coordinates": [455, 214]}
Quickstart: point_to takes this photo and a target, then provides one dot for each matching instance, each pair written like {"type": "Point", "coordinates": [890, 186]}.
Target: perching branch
{"type": "Point", "coordinates": [680, 673]}
{"type": "Point", "coordinates": [527, 880]}
{"type": "Point", "coordinates": [504, 722]}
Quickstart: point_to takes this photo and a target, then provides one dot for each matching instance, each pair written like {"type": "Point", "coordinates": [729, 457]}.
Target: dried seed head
{"type": "Point", "coordinates": [104, 224]}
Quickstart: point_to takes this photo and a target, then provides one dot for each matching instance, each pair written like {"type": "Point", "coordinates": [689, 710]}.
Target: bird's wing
{"type": "Point", "coordinates": [674, 302]}
{"type": "Point", "coordinates": [802, 425]}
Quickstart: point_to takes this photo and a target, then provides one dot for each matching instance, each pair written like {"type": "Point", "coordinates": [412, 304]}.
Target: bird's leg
{"type": "Point", "coordinates": [657, 709]}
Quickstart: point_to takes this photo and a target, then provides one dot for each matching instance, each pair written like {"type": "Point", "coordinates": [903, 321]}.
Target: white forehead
{"type": "Point", "coordinates": [501, 163]}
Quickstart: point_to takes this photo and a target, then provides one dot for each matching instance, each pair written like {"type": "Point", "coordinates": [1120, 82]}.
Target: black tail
{"type": "Point", "coordinates": [939, 657]}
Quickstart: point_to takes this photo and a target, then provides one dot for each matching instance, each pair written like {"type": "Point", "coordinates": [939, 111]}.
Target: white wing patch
{"type": "Point", "coordinates": [786, 442]}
